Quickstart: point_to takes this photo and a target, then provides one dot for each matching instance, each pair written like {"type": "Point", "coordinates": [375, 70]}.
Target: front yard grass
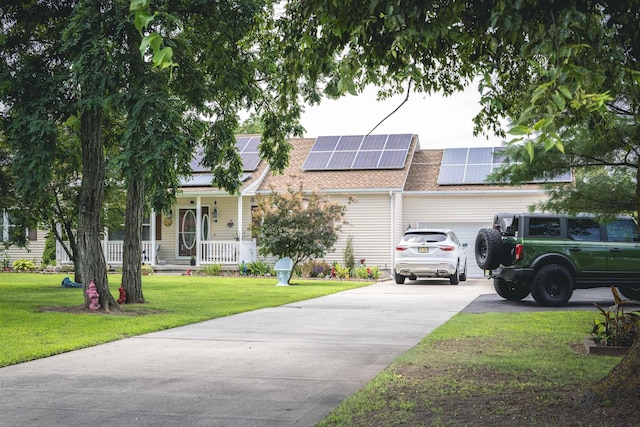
{"type": "Point", "coordinates": [37, 316]}
{"type": "Point", "coordinates": [491, 369]}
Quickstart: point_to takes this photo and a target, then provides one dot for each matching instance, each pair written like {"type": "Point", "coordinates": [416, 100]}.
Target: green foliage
{"type": "Point", "coordinates": [260, 268]}
{"type": "Point", "coordinates": [28, 333]}
{"type": "Point", "coordinates": [49, 253]}
{"type": "Point", "coordinates": [314, 268]}
{"type": "Point", "coordinates": [146, 269]}
{"type": "Point", "coordinates": [24, 265]}
{"type": "Point", "coordinates": [365, 272]}
{"type": "Point", "coordinates": [298, 225]}
{"type": "Point", "coordinates": [211, 269]}
{"type": "Point", "coordinates": [349, 259]}
{"type": "Point", "coordinates": [619, 327]}
{"type": "Point", "coordinates": [342, 272]}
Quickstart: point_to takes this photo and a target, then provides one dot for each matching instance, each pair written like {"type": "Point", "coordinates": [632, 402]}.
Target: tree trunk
{"type": "Point", "coordinates": [132, 251]}
{"type": "Point", "coordinates": [623, 379]}
{"type": "Point", "coordinates": [90, 255]}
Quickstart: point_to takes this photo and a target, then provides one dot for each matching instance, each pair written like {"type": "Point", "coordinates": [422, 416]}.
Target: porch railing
{"type": "Point", "coordinates": [211, 252]}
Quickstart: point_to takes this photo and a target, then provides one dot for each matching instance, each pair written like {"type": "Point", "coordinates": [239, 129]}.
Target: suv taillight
{"type": "Point", "coordinates": [519, 251]}
{"type": "Point", "coordinates": [401, 248]}
{"type": "Point", "coordinates": [447, 248]}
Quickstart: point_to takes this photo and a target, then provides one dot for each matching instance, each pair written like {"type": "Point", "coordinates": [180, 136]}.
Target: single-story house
{"type": "Point", "coordinates": [396, 183]}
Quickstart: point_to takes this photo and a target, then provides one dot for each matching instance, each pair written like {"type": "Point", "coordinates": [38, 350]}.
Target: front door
{"type": "Point", "coordinates": [187, 232]}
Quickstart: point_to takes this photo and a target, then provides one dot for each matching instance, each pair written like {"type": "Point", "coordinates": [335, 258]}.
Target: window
{"type": "Point", "coordinates": [118, 234]}
{"type": "Point", "coordinates": [622, 230]}
{"type": "Point", "coordinates": [584, 229]}
{"type": "Point", "coordinates": [425, 237]}
{"type": "Point", "coordinates": [544, 227]}
{"type": "Point", "coordinates": [8, 226]}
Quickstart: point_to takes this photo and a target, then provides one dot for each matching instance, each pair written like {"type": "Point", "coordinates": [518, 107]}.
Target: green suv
{"type": "Point", "coordinates": [548, 256]}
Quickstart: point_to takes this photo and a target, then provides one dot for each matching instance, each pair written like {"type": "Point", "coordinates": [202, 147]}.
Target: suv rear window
{"type": "Point", "coordinates": [544, 227]}
{"type": "Point", "coordinates": [426, 237]}
{"type": "Point", "coordinates": [584, 229]}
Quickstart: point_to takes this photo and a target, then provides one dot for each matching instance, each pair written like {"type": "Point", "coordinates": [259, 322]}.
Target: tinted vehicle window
{"type": "Point", "coordinates": [622, 230]}
{"type": "Point", "coordinates": [584, 229]}
{"type": "Point", "coordinates": [544, 227]}
{"type": "Point", "coordinates": [425, 237]}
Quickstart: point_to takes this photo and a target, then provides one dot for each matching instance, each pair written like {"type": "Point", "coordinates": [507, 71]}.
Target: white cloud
{"type": "Point", "coordinates": [439, 121]}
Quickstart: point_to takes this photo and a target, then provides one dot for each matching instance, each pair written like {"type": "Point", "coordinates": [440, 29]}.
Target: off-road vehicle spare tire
{"type": "Point", "coordinates": [488, 248]}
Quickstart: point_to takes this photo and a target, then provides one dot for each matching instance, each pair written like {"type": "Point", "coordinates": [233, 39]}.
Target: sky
{"type": "Point", "coordinates": [439, 121]}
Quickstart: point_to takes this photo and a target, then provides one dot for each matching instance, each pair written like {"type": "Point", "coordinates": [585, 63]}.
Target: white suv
{"type": "Point", "coordinates": [430, 253]}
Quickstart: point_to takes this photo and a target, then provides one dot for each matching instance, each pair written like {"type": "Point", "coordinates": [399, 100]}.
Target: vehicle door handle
{"type": "Point", "coordinates": [615, 250]}
{"type": "Point", "coordinates": [575, 249]}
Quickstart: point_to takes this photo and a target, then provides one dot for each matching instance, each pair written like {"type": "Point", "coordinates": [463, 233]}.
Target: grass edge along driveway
{"type": "Point", "coordinates": [39, 318]}
{"type": "Point", "coordinates": [499, 369]}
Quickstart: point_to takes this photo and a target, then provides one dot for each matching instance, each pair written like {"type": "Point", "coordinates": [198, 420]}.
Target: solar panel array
{"type": "Point", "coordinates": [248, 148]}
{"type": "Point", "coordinates": [473, 165]}
{"type": "Point", "coordinates": [358, 152]}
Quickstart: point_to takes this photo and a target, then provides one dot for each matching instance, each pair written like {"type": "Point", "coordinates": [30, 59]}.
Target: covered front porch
{"type": "Point", "coordinates": [191, 233]}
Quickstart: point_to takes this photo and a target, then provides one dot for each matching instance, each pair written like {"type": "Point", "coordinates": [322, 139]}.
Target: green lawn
{"type": "Point", "coordinates": [28, 331]}
{"type": "Point", "coordinates": [487, 369]}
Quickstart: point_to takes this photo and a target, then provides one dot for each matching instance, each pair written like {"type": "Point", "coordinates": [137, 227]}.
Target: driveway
{"type": "Point", "coordinates": [284, 366]}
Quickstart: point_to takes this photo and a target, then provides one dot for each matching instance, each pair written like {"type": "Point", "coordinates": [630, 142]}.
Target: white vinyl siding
{"type": "Point", "coordinates": [465, 214]}
{"type": "Point", "coordinates": [369, 223]}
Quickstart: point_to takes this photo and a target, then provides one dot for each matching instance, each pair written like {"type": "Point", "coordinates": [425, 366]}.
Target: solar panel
{"type": "Point", "coordinates": [473, 165]}
{"type": "Point", "coordinates": [249, 153]}
{"type": "Point", "coordinates": [358, 152]}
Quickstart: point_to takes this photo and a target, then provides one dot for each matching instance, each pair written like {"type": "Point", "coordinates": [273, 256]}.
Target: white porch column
{"type": "Point", "coordinates": [105, 246]}
{"type": "Point", "coordinates": [198, 228]}
{"type": "Point", "coordinates": [240, 218]}
{"type": "Point", "coordinates": [152, 230]}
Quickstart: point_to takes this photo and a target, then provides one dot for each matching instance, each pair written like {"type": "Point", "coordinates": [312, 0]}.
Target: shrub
{"type": "Point", "coordinates": [618, 328]}
{"type": "Point", "coordinates": [341, 272]}
{"type": "Point", "coordinates": [211, 269]}
{"type": "Point", "coordinates": [146, 269]}
{"type": "Point", "coordinates": [363, 271]}
{"type": "Point", "coordinates": [24, 265]}
{"type": "Point", "coordinates": [260, 268]}
{"type": "Point", "coordinates": [49, 253]}
{"type": "Point", "coordinates": [349, 260]}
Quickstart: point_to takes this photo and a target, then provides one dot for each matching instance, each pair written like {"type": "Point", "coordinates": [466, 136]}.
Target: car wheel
{"type": "Point", "coordinates": [552, 286]}
{"type": "Point", "coordinates": [399, 279]}
{"type": "Point", "coordinates": [630, 292]}
{"type": "Point", "coordinates": [512, 291]}
{"type": "Point", "coordinates": [463, 275]}
{"type": "Point", "coordinates": [454, 279]}
{"type": "Point", "coordinates": [488, 248]}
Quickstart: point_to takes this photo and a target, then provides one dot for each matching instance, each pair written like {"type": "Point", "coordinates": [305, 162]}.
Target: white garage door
{"type": "Point", "coordinates": [466, 232]}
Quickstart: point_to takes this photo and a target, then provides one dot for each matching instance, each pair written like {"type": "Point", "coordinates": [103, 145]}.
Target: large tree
{"type": "Point", "coordinates": [81, 58]}
{"type": "Point", "coordinates": [548, 67]}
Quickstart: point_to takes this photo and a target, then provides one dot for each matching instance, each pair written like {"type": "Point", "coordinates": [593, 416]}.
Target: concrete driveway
{"type": "Point", "coordinates": [289, 365]}
{"type": "Point", "coordinates": [284, 366]}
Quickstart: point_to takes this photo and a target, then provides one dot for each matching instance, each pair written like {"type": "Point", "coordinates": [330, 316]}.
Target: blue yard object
{"type": "Point", "coordinates": [68, 283]}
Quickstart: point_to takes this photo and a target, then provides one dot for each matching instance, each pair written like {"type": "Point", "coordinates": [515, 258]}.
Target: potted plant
{"type": "Point", "coordinates": [192, 261]}
{"type": "Point", "coordinates": [617, 331]}
{"type": "Point", "coordinates": [146, 269]}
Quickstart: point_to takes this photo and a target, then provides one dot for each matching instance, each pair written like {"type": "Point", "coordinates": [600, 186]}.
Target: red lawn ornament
{"type": "Point", "coordinates": [123, 296]}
